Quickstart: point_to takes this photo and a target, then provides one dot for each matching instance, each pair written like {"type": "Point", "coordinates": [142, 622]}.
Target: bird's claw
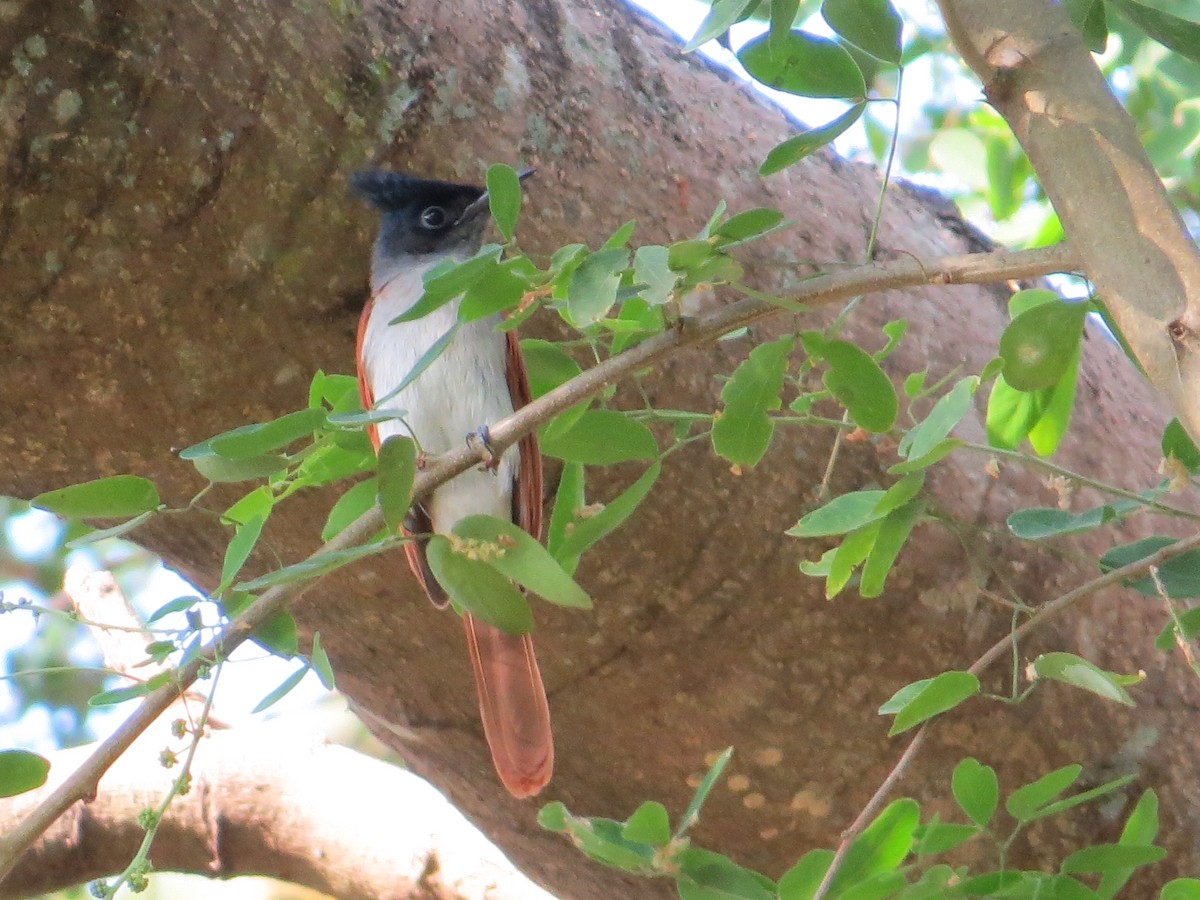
{"type": "Point", "coordinates": [480, 441]}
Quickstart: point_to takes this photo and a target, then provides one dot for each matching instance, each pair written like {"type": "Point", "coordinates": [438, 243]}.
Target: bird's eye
{"type": "Point", "coordinates": [433, 217]}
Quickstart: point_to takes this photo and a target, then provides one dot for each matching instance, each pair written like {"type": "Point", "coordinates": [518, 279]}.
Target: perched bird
{"type": "Point", "coordinates": [478, 379]}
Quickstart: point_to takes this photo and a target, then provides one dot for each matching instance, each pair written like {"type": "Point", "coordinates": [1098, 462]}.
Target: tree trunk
{"type": "Point", "coordinates": [180, 254]}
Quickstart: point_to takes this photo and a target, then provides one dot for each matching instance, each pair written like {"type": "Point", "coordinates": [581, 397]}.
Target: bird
{"type": "Point", "coordinates": [479, 378]}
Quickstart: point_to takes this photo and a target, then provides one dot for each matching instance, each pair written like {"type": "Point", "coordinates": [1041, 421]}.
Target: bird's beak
{"type": "Point", "coordinates": [481, 205]}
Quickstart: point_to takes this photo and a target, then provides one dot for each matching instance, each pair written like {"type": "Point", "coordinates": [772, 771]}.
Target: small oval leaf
{"type": "Point", "coordinates": [21, 771]}
{"type": "Point", "coordinates": [116, 497]}
{"type": "Point", "coordinates": [478, 588]}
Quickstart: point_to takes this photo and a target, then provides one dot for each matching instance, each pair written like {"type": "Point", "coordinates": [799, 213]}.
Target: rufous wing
{"type": "Point", "coordinates": [512, 699]}
{"type": "Point", "coordinates": [418, 520]}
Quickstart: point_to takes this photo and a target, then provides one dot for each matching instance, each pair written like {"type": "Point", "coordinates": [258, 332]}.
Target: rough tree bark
{"type": "Point", "coordinates": [179, 254]}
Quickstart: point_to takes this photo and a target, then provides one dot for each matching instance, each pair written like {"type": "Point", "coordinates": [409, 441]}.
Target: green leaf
{"type": "Point", "coordinates": [881, 847]}
{"type": "Point", "coordinates": [721, 16]}
{"type": "Point", "coordinates": [595, 527]}
{"type": "Point", "coordinates": [1174, 33]}
{"type": "Point", "coordinates": [976, 790]}
{"type": "Point", "coordinates": [497, 290]}
{"type": "Point", "coordinates": [320, 663]}
{"type": "Point", "coordinates": [251, 441]}
{"type": "Point", "coordinates": [593, 287]}
{"type": "Point", "coordinates": [1181, 889]}
{"type": "Point", "coordinates": [102, 534]}
{"type": "Point", "coordinates": [257, 503]}
{"type": "Point", "coordinates": [692, 814]}
{"type": "Point", "coordinates": [478, 588]}
{"type": "Point", "coordinates": [1088, 16]}
{"type": "Point", "coordinates": [547, 366]}
{"type": "Point", "coordinates": [923, 437]}
{"type": "Point", "coordinates": [1177, 444]}
{"type": "Point", "coordinates": [119, 695]}
{"type": "Point", "coordinates": [115, 497]}
{"type": "Point", "coordinates": [840, 515]}
{"type": "Point", "coordinates": [1110, 858]}
{"type": "Point", "coordinates": [1180, 576]}
{"type": "Point", "coordinates": [649, 824]}
{"type": "Point", "coordinates": [938, 695]}
{"type": "Point", "coordinates": [21, 771]}
{"type": "Point", "coordinates": [705, 875]}
{"type": "Point", "coordinates": [352, 504]}
{"type": "Point", "coordinates": [553, 817]}
{"type": "Point", "coordinates": [1058, 806]}
{"type": "Point", "coordinates": [871, 25]}
{"type": "Point", "coordinates": [893, 532]}
{"type": "Point", "coordinates": [850, 554]}
{"type": "Point", "coordinates": [804, 64]}
{"type": "Point", "coordinates": [900, 493]}
{"type": "Point", "coordinates": [568, 499]}
{"type": "Point", "coordinates": [602, 437]}
{"type": "Point", "coordinates": [919, 463]}
{"type": "Point", "coordinates": [742, 432]}
{"type": "Point", "coordinates": [1140, 830]}
{"type": "Point", "coordinates": [515, 553]}
{"type": "Point", "coordinates": [1048, 430]}
{"type": "Point", "coordinates": [621, 236]}
{"type": "Point", "coordinates": [282, 691]}
{"type": "Point", "coordinates": [220, 470]}
{"type": "Point", "coordinates": [857, 381]}
{"type": "Point", "coordinates": [940, 837]}
{"type": "Point", "coordinates": [397, 470]}
{"type": "Point", "coordinates": [601, 840]}
{"type": "Point", "coordinates": [801, 881]}
{"type": "Point", "coordinates": [1074, 670]}
{"type": "Point", "coordinates": [307, 569]}
{"type": "Point", "coordinates": [1038, 345]}
{"type": "Point", "coordinates": [448, 280]}
{"type": "Point", "coordinates": [504, 198]}
{"type": "Point", "coordinates": [804, 144]}
{"type": "Point", "coordinates": [179, 604]}
{"type": "Point", "coordinates": [749, 224]}
{"type": "Point", "coordinates": [1044, 522]}
{"type": "Point", "coordinates": [278, 635]}
{"type": "Point", "coordinates": [436, 349]}
{"type": "Point", "coordinates": [239, 550]}
{"type": "Point", "coordinates": [651, 268]}
{"type": "Point", "coordinates": [1024, 803]}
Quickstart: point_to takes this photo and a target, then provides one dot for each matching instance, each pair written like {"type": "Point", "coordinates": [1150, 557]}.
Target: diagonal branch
{"type": "Point", "coordinates": [1044, 614]}
{"type": "Point", "coordinates": [1135, 249]}
{"type": "Point", "coordinates": [818, 291]}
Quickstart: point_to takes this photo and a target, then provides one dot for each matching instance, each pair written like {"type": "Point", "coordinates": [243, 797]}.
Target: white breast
{"type": "Point", "coordinates": [464, 388]}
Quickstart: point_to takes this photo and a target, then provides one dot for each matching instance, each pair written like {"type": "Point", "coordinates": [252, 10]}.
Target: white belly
{"type": "Point", "coordinates": [464, 388]}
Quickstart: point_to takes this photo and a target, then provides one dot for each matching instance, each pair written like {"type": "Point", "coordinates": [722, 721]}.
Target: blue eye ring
{"type": "Point", "coordinates": [433, 218]}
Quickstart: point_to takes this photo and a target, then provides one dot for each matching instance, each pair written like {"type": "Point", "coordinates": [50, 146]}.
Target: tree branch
{"type": "Point", "coordinates": [1038, 74]}
{"type": "Point", "coordinates": [817, 291]}
{"type": "Point", "coordinates": [1043, 615]}
{"type": "Point", "coordinates": [267, 780]}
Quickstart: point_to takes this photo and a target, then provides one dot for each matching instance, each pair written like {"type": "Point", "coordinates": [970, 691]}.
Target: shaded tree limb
{"type": "Point", "coordinates": [1038, 74]}
{"type": "Point", "coordinates": [269, 780]}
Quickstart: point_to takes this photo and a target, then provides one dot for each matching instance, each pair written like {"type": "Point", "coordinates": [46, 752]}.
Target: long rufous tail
{"type": "Point", "coordinates": [512, 704]}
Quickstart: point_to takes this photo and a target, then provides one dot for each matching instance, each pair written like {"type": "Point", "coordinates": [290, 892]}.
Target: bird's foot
{"type": "Point", "coordinates": [480, 441]}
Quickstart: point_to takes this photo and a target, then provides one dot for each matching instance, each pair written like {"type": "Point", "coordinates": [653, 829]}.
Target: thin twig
{"type": "Point", "coordinates": [1043, 615]}
{"type": "Point", "coordinates": [977, 268]}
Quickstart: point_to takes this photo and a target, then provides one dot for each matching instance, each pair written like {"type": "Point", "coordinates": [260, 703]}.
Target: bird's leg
{"type": "Point", "coordinates": [480, 441]}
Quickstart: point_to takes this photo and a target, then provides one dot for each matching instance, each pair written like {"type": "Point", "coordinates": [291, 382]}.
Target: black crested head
{"type": "Point", "coordinates": [421, 216]}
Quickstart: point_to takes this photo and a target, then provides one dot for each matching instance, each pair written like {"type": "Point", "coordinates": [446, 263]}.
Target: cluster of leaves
{"type": "Point", "coordinates": [896, 856]}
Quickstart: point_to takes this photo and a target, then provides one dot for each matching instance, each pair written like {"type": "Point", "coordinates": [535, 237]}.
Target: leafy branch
{"type": "Point", "coordinates": [341, 549]}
